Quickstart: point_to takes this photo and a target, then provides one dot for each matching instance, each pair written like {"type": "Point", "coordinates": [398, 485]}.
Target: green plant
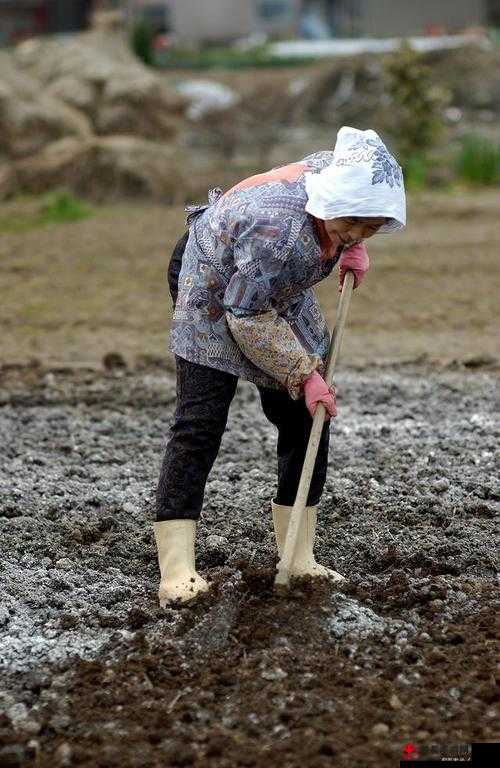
{"type": "Point", "coordinates": [141, 41]}
{"type": "Point", "coordinates": [414, 114]}
{"type": "Point", "coordinates": [478, 160]}
{"type": "Point", "coordinates": [28, 213]}
{"type": "Point", "coordinates": [61, 207]}
{"type": "Point", "coordinates": [416, 170]}
{"type": "Point", "coordinates": [217, 57]}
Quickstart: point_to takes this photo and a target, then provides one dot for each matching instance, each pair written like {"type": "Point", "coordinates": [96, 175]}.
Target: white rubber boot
{"type": "Point", "coordinates": [175, 544]}
{"type": "Point", "coordinates": [304, 564]}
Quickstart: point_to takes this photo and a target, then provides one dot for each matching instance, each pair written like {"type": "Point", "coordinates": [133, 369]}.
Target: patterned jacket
{"type": "Point", "coordinates": [245, 303]}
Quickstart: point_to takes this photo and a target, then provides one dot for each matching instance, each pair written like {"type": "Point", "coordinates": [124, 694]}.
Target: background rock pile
{"type": "Point", "coordinates": [82, 112]}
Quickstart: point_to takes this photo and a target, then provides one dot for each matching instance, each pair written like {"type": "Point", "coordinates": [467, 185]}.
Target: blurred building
{"type": "Point", "coordinates": [20, 19]}
{"type": "Point", "coordinates": [198, 21]}
{"type": "Point", "coordinates": [494, 12]}
{"type": "Point", "coordinates": [394, 18]}
{"type": "Point", "coordinates": [195, 21]}
{"type": "Point", "coordinates": [229, 19]}
{"type": "Point", "coordinates": [225, 20]}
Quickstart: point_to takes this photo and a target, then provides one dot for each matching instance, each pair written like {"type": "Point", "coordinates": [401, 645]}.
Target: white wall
{"type": "Point", "coordinates": [213, 19]}
{"type": "Point", "coordinates": [386, 18]}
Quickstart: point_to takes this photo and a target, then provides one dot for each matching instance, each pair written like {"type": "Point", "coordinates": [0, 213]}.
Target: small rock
{"type": "Point", "coordinates": [17, 713]}
{"type": "Point", "coordinates": [31, 727]}
{"type": "Point", "coordinates": [59, 721]}
{"type": "Point", "coordinates": [440, 486]}
{"type": "Point", "coordinates": [63, 563]}
{"type": "Point", "coordinates": [436, 605]}
{"type": "Point", "coordinates": [274, 674]}
{"type": "Point", "coordinates": [63, 755]}
{"type": "Point", "coordinates": [21, 721]}
{"type": "Point", "coordinates": [423, 736]}
{"type": "Point", "coordinates": [218, 543]}
{"type": "Point", "coordinates": [380, 729]}
{"type": "Point", "coordinates": [308, 680]}
{"type": "Point", "coordinates": [395, 702]}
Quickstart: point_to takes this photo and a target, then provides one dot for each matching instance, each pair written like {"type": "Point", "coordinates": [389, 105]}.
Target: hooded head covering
{"type": "Point", "coordinates": [363, 179]}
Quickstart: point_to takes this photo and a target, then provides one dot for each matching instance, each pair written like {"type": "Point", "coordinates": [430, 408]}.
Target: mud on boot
{"type": "Point", "coordinates": [175, 543]}
{"type": "Point", "coordinates": [304, 563]}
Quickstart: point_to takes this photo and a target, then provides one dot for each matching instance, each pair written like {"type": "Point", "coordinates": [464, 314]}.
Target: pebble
{"type": "Point", "coordinates": [380, 729]}
{"type": "Point", "coordinates": [440, 486]}
{"type": "Point", "coordinates": [395, 702]}
{"type": "Point", "coordinates": [423, 735]}
{"type": "Point", "coordinates": [218, 543]}
{"type": "Point", "coordinates": [59, 721]}
{"type": "Point", "coordinates": [436, 605]}
{"type": "Point", "coordinates": [63, 755]}
{"type": "Point", "coordinates": [274, 674]}
{"type": "Point", "coordinates": [21, 721]}
{"type": "Point", "coordinates": [64, 563]}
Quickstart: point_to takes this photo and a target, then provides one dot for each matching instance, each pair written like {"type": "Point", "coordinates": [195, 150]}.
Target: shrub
{"type": "Point", "coordinates": [415, 113]}
{"type": "Point", "coordinates": [478, 160]}
{"type": "Point", "coordinates": [61, 207]}
{"type": "Point", "coordinates": [141, 41]}
{"type": "Point", "coordinates": [416, 171]}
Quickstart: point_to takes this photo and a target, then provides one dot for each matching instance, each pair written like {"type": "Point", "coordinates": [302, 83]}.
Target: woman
{"type": "Point", "coordinates": [241, 280]}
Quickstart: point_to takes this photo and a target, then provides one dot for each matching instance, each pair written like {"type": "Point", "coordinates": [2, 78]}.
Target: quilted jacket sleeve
{"type": "Point", "coordinates": [261, 250]}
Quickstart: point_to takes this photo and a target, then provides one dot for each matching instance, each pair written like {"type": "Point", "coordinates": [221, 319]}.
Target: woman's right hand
{"type": "Point", "coordinates": [316, 391]}
{"type": "Point", "coordinates": [354, 259]}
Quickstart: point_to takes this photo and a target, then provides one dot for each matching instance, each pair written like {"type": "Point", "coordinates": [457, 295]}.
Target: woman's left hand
{"type": "Point", "coordinates": [354, 259]}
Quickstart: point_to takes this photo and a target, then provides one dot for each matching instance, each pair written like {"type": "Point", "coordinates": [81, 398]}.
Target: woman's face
{"type": "Point", "coordinates": [352, 229]}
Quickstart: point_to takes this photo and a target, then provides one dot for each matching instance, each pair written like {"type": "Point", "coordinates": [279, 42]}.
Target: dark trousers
{"type": "Point", "coordinates": [204, 395]}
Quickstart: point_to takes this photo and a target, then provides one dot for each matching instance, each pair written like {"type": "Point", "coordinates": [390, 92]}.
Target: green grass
{"type": "Point", "coordinates": [478, 161]}
{"type": "Point", "coordinates": [226, 58]}
{"type": "Point", "coordinates": [54, 208]}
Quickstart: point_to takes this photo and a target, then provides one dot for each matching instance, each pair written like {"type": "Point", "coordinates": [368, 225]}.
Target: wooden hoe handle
{"type": "Point", "coordinates": [282, 578]}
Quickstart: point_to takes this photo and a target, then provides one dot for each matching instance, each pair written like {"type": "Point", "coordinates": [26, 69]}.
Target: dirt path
{"type": "Point", "coordinates": [94, 674]}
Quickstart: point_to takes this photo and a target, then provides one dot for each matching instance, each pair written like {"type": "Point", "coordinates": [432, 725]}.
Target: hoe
{"type": "Point", "coordinates": [282, 579]}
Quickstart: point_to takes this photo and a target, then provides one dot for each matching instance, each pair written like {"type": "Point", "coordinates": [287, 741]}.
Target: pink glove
{"type": "Point", "coordinates": [316, 391]}
{"type": "Point", "coordinates": [354, 259]}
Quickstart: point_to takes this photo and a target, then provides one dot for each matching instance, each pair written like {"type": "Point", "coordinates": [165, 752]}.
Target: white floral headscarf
{"type": "Point", "coordinates": [364, 179]}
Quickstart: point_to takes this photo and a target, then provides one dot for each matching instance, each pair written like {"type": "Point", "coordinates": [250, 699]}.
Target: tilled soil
{"type": "Point", "coordinates": [95, 674]}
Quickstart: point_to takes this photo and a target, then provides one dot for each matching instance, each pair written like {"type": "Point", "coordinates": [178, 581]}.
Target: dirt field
{"type": "Point", "coordinates": [93, 673]}
{"type": "Point", "coordinates": [74, 292]}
